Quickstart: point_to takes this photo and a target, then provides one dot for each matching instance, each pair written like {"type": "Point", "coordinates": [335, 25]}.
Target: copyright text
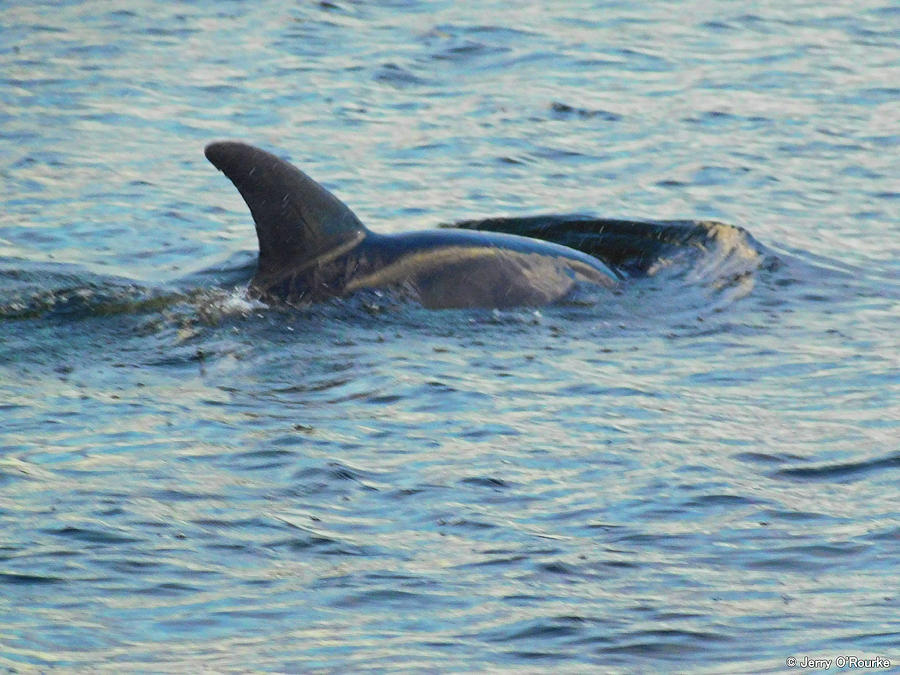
{"type": "Point", "coordinates": [844, 662]}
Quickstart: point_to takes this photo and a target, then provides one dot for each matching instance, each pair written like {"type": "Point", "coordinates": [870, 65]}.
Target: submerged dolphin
{"type": "Point", "coordinates": [312, 247]}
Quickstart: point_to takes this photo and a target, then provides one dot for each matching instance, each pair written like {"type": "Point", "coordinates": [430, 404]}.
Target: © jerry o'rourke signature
{"type": "Point", "coordinates": [842, 661]}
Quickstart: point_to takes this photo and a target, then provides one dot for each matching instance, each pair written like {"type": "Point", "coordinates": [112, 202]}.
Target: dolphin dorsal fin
{"type": "Point", "coordinates": [297, 220]}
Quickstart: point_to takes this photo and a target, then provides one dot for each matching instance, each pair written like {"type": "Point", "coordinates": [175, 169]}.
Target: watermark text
{"type": "Point", "coordinates": [842, 662]}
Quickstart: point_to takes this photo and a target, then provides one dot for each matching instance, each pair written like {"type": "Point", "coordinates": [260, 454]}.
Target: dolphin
{"type": "Point", "coordinates": [312, 247]}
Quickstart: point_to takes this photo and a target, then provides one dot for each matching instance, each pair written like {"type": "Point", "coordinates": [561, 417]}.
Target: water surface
{"type": "Point", "coordinates": [699, 472]}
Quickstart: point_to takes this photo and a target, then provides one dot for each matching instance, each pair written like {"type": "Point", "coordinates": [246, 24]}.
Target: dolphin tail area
{"type": "Point", "coordinates": [631, 247]}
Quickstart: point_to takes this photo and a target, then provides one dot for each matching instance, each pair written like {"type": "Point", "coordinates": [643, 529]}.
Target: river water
{"type": "Point", "coordinates": [698, 473]}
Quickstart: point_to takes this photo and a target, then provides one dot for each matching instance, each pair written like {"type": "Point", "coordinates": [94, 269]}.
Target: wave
{"type": "Point", "coordinates": [33, 290]}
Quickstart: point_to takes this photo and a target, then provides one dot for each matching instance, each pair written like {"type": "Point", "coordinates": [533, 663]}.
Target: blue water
{"type": "Point", "coordinates": [697, 473]}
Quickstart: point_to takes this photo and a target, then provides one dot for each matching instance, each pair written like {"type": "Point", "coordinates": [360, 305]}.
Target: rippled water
{"type": "Point", "coordinates": [699, 472]}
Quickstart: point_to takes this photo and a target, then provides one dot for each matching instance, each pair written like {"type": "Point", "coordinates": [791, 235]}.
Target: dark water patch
{"type": "Point", "coordinates": [51, 554]}
{"type": "Point", "coordinates": [634, 60]}
{"type": "Point", "coordinates": [486, 481]}
{"type": "Point", "coordinates": [17, 579]}
{"type": "Point", "coordinates": [308, 542]}
{"type": "Point", "coordinates": [595, 389]}
{"type": "Point", "coordinates": [339, 471]}
{"type": "Point", "coordinates": [666, 644]}
{"type": "Point", "coordinates": [473, 35]}
{"type": "Point", "coordinates": [181, 33]}
{"type": "Point", "coordinates": [678, 616]}
{"type": "Point", "coordinates": [232, 549]}
{"type": "Point", "coordinates": [656, 650]}
{"type": "Point", "coordinates": [563, 110]}
{"type": "Point", "coordinates": [404, 493]}
{"type": "Point", "coordinates": [841, 472]}
{"type": "Point", "coordinates": [395, 576]}
{"type": "Point", "coordinates": [538, 656]}
{"type": "Point", "coordinates": [333, 381]}
{"type": "Point", "coordinates": [330, 6]}
{"type": "Point", "coordinates": [397, 76]}
{"type": "Point", "coordinates": [549, 628]}
{"type": "Point", "coordinates": [218, 89]}
{"type": "Point", "coordinates": [615, 566]}
{"type": "Point", "coordinates": [257, 614]}
{"type": "Point", "coordinates": [466, 523]}
{"type": "Point", "coordinates": [335, 476]}
{"type": "Point", "coordinates": [806, 559]}
{"type": "Point", "coordinates": [830, 551]}
{"type": "Point", "coordinates": [191, 626]}
{"type": "Point", "coordinates": [168, 589]}
{"type": "Point", "coordinates": [606, 527]}
{"type": "Point", "coordinates": [174, 495]}
{"type": "Point", "coordinates": [671, 183]}
{"type": "Point", "coordinates": [559, 567]}
{"type": "Point", "coordinates": [385, 399]}
{"type": "Point", "coordinates": [466, 50]}
{"type": "Point", "coordinates": [489, 431]}
{"type": "Point", "coordinates": [781, 514]}
{"type": "Point", "coordinates": [578, 515]}
{"type": "Point", "coordinates": [567, 155]}
{"type": "Point", "coordinates": [390, 597]}
{"type": "Point", "coordinates": [523, 599]}
{"type": "Point", "coordinates": [254, 524]}
{"type": "Point", "coordinates": [132, 566]}
{"type": "Point", "coordinates": [687, 635]}
{"type": "Point", "coordinates": [767, 458]}
{"type": "Point", "coordinates": [323, 544]}
{"type": "Point", "coordinates": [100, 51]}
{"type": "Point", "coordinates": [263, 460]}
{"type": "Point", "coordinates": [719, 500]}
{"type": "Point", "coordinates": [91, 536]}
{"type": "Point", "coordinates": [519, 161]}
{"type": "Point", "coordinates": [179, 358]}
{"type": "Point", "coordinates": [878, 95]}
{"type": "Point", "coordinates": [888, 534]}
{"type": "Point", "coordinates": [498, 560]}
{"type": "Point", "coordinates": [719, 25]}
{"type": "Point", "coordinates": [275, 454]}
{"type": "Point", "coordinates": [887, 640]}
{"type": "Point", "coordinates": [718, 175]}
{"type": "Point", "coordinates": [653, 540]}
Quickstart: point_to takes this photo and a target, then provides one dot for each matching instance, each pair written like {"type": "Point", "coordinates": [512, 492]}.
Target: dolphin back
{"type": "Point", "coordinates": [298, 222]}
{"type": "Point", "coordinates": [631, 247]}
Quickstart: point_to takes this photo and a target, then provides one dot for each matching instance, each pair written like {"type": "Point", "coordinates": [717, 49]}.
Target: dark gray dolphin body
{"type": "Point", "coordinates": [312, 247]}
